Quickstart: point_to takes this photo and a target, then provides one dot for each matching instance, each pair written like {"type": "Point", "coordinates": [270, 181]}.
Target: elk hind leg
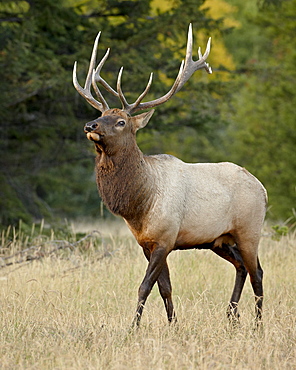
{"type": "Point", "coordinates": [232, 255]}
{"type": "Point", "coordinates": [249, 254]}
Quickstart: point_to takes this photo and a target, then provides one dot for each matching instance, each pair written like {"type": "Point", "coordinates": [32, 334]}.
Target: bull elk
{"type": "Point", "coordinates": [168, 204]}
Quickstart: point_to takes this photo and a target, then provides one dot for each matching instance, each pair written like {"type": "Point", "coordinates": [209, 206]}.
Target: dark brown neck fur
{"type": "Point", "coordinates": [124, 183]}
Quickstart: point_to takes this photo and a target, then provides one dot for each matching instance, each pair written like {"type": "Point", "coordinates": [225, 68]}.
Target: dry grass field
{"type": "Point", "coordinates": [70, 306]}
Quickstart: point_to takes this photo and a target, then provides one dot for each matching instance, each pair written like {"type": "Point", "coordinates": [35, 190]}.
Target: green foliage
{"type": "Point", "coordinates": [262, 132]}
{"type": "Point", "coordinates": [46, 163]}
{"type": "Point", "coordinates": [279, 231]}
{"type": "Point", "coordinates": [284, 229]}
{"type": "Point", "coordinates": [38, 124]}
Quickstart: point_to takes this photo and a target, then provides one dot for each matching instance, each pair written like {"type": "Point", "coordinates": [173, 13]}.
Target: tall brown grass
{"type": "Point", "coordinates": [72, 309]}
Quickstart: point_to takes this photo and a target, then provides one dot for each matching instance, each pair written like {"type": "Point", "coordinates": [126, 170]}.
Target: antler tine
{"type": "Point", "coordinates": [205, 56]}
{"type": "Point", "coordinates": [186, 70]}
{"type": "Point", "coordinates": [145, 92]}
{"type": "Point", "coordinates": [85, 92]}
{"type": "Point", "coordinates": [162, 99]}
{"type": "Point", "coordinates": [98, 92]}
{"type": "Point", "coordinates": [98, 78]}
{"type": "Point", "coordinates": [125, 105]}
{"type": "Point", "coordinates": [131, 108]}
{"type": "Point", "coordinates": [189, 44]}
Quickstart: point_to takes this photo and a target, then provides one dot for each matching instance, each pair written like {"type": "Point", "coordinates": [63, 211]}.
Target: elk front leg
{"type": "Point", "coordinates": [156, 263]}
{"type": "Point", "coordinates": [165, 288]}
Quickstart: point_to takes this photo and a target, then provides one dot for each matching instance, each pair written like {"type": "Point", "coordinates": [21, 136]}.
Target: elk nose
{"type": "Point", "coordinates": [90, 126]}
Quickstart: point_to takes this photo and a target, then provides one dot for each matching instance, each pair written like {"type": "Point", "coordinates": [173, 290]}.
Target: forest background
{"type": "Point", "coordinates": [244, 112]}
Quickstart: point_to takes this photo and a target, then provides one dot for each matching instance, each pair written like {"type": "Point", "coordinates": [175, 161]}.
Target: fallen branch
{"type": "Point", "coordinates": [39, 253]}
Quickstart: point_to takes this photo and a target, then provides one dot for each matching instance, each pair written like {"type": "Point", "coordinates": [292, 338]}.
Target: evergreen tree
{"type": "Point", "coordinates": [262, 135]}
{"type": "Point", "coordinates": [45, 162]}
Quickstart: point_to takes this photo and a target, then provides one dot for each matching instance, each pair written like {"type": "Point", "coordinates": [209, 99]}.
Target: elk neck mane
{"type": "Point", "coordinates": [124, 182]}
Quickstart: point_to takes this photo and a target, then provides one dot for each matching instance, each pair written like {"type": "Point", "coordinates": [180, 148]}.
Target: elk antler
{"type": "Point", "coordinates": [186, 70]}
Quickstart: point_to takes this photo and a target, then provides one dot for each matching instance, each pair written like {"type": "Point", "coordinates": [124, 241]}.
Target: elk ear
{"type": "Point", "coordinates": [141, 120]}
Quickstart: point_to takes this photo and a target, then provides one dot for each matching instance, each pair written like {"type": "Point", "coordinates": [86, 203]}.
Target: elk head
{"type": "Point", "coordinates": [115, 126]}
{"type": "Point", "coordinates": [115, 129]}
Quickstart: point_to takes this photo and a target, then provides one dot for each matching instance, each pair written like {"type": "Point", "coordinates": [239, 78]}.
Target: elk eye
{"type": "Point", "coordinates": [120, 123]}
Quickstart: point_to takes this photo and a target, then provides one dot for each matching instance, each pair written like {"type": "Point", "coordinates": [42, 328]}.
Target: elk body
{"type": "Point", "coordinates": [169, 204]}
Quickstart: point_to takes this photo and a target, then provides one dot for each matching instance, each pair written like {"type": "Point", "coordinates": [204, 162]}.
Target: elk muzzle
{"type": "Point", "coordinates": [89, 130]}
